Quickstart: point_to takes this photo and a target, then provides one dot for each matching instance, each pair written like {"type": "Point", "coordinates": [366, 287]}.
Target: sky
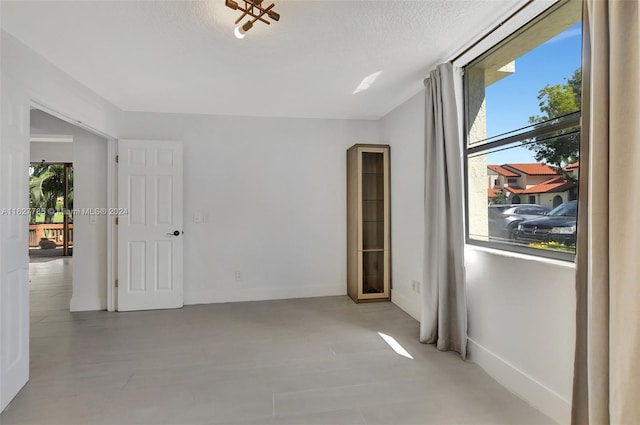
{"type": "Point", "coordinates": [511, 101]}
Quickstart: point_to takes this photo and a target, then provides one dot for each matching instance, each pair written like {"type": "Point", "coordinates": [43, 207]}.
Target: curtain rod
{"type": "Point", "coordinates": [491, 32]}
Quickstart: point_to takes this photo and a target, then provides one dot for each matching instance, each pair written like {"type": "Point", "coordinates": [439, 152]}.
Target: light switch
{"type": "Point", "coordinates": [197, 217]}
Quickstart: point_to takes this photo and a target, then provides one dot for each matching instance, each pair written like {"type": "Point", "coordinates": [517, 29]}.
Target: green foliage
{"type": "Point", "coordinates": [57, 218]}
{"type": "Point", "coordinates": [46, 186]}
{"type": "Point", "coordinates": [575, 82]}
{"type": "Point", "coordinates": [556, 101]}
{"type": "Point", "coordinates": [554, 246]}
{"type": "Point", "coordinates": [499, 199]}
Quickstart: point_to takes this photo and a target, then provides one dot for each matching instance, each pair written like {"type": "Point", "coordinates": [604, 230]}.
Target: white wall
{"type": "Point", "coordinates": [50, 87]}
{"type": "Point", "coordinates": [51, 151]}
{"type": "Point", "coordinates": [403, 130]}
{"type": "Point", "coordinates": [273, 193]}
{"type": "Point", "coordinates": [522, 325]}
{"type": "Point", "coordinates": [521, 309]}
{"type": "Point", "coordinates": [88, 154]}
{"type": "Point", "coordinates": [546, 199]}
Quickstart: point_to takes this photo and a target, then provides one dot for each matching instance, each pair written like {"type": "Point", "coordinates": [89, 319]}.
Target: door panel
{"type": "Point", "coordinates": [149, 253]}
{"type": "Point", "coordinates": [14, 235]}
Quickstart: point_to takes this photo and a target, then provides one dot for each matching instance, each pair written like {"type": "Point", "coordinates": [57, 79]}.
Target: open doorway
{"type": "Point", "coordinates": [50, 235]}
{"type": "Point", "coordinates": [51, 195]}
{"type": "Point", "coordinates": [62, 153]}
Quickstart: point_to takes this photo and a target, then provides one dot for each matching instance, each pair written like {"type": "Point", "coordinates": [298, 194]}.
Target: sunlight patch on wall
{"type": "Point", "coordinates": [367, 82]}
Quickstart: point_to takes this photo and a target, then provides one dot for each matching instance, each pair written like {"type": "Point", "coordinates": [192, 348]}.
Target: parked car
{"type": "Point", "coordinates": [559, 225]}
{"type": "Point", "coordinates": [504, 219]}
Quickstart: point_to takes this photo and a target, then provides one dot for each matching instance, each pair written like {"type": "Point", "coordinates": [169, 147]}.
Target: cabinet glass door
{"type": "Point", "coordinates": [373, 272]}
{"type": "Point", "coordinates": [373, 226]}
{"type": "Point", "coordinates": [372, 201]}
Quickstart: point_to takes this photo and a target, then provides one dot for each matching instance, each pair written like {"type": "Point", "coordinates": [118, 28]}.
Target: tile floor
{"type": "Point", "coordinates": [297, 362]}
{"type": "Point", "coordinates": [49, 284]}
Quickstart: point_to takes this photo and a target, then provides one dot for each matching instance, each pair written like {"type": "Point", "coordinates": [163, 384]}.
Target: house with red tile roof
{"type": "Point", "coordinates": [532, 183]}
{"type": "Point", "coordinates": [572, 169]}
{"type": "Point", "coordinates": [534, 169]}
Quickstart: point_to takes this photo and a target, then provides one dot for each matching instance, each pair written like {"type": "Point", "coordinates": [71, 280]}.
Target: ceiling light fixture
{"type": "Point", "coordinates": [255, 11]}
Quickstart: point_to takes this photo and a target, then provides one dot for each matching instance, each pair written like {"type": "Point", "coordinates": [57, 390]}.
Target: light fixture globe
{"type": "Point", "coordinates": [239, 32]}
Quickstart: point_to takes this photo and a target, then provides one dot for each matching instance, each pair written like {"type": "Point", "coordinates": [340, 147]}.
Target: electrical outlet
{"type": "Point", "coordinates": [238, 276]}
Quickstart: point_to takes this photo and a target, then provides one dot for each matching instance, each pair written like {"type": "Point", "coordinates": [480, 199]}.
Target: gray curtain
{"type": "Point", "coordinates": [444, 311]}
{"type": "Point", "coordinates": [606, 385]}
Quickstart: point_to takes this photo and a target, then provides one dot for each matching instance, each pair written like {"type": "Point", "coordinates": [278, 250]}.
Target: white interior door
{"type": "Point", "coordinates": [150, 225]}
{"type": "Point", "coordinates": [14, 243]}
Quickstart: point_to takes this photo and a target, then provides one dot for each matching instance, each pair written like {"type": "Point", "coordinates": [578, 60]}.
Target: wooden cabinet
{"type": "Point", "coordinates": [368, 223]}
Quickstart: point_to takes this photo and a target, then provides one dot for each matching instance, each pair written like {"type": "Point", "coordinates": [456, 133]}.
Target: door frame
{"type": "Point", "coordinates": [112, 187]}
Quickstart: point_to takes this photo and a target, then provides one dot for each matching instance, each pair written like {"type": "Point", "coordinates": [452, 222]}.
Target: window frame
{"type": "Point", "coordinates": [571, 120]}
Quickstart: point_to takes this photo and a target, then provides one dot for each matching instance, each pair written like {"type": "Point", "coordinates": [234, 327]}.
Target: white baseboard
{"type": "Point", "coordinates": [526, 387]}
{"type": "Point", "coordinates": [409, 303]}
{"type": "Point", "coordinates": [87, 304]}
{"type": "Point", "coordinates": [222, 295]}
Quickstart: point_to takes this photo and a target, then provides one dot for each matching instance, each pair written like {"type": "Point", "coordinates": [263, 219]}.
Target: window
{"type": "Point", "coordinates": [522, 111]}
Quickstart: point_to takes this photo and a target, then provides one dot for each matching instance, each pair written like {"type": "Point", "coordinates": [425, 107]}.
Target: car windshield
{"type": "Point", "coordinates": [564, 210]}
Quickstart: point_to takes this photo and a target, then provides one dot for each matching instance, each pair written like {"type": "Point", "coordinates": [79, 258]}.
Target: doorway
{"type": "Point", "coordinates": [50, 236]}
{"type": "Point", "coordinates": [54, 143]}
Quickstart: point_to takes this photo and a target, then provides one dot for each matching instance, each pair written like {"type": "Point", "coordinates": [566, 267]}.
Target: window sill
{"type": "Point", "coordinates": [520, 256]}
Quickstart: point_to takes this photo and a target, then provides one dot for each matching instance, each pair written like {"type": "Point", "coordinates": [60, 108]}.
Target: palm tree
{"type": "Point", "coordinates": [46, 185]}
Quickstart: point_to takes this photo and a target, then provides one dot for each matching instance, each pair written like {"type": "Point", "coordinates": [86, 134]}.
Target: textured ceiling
{"type": "Point", "coordinates": [181, 56]}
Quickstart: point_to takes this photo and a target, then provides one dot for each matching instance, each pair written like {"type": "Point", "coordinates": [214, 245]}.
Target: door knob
{"type": "Point", "coordinates": [175, 233]}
